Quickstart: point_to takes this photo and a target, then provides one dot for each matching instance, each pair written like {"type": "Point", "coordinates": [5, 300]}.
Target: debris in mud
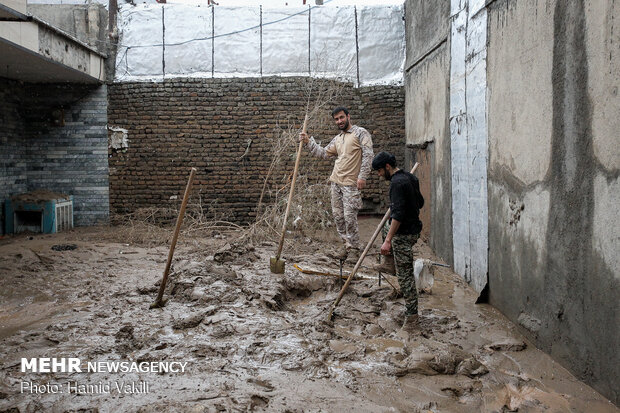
{"type": "Point", "coordinates": [64, 247]}
{"type": "Point", "coordinates": [125, 333]}
{"type": "Point", "coordinates": [471, 367]}
{"type": "Point", "coordinates": [508, 345]}
{"type": "Point", "coordinates": [189, 321]}
{"type": "Point", "coordinates": [463, 390]}
{"type": "Point", "coordinates": [448, 362]}
{"type": "Point", "coordinates": [266, 385]}
{"type": "Point", "coordinates": [39, 195]}
{"type": "Point", "coordinates": [232, 251]}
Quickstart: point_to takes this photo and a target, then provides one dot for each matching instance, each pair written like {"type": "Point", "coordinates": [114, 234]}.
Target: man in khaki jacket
{"type": "Point", "coordinates": [352, 148]}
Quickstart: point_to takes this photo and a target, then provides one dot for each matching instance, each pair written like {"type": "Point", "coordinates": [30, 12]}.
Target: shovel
{"type": "Point", "coordinates": [359, 261]}
{"type": "Point", "coordinates": [276, 265]}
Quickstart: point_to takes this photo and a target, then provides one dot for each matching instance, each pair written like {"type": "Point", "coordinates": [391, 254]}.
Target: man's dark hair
{"type": "Point", "coordinates": [382, 159]}
{"type": "Point", "coordinates": [340, 109]}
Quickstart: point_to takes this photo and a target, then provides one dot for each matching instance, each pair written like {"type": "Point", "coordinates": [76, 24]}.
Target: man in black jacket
{"type": "Point", "coordinates": [402, 230]}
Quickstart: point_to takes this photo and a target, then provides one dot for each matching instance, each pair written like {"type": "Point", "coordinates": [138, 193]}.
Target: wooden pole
{"type": "Point", "coordinates": [158, 301]}
{"type": "Point", "coordinates": [290, 195]}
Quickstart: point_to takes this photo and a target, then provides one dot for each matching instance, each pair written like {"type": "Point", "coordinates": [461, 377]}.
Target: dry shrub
{"type": "Point", "coordinates": [155, 226]}
{"type": "Point", "coordinates": [310, 208]}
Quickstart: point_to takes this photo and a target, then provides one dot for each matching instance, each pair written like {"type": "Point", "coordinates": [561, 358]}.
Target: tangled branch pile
{"type": "Point", "coordinates": [310, 209]}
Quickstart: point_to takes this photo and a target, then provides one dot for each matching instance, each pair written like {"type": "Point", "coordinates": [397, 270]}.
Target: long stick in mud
{"type": "Point", "coordinates": [158, 301]}
{"type": "Point", "coordinates": [359, 261]}
{"type": "Point", "coordinates": [275, 263]}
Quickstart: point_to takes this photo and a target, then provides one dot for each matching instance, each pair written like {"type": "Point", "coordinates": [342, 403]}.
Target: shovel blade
{"type": "Point", "coordinates": [276, 265]}
{"type": "Point", "coordinates": [158, 304]}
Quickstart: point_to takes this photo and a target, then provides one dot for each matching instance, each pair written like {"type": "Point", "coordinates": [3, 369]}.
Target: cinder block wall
{"type": "Point", "coordinates": [12, 171]}
{"type": "Point", "coordinates": [207, 123]}
{"type": "Point", "coordinates": [37, 153]}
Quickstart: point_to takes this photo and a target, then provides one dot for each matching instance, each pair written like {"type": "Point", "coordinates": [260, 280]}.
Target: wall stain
{"type": "Point", "coordinates": [569, 279]}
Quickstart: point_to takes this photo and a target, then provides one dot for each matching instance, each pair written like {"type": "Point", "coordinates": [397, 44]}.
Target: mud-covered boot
{"type": "Point", "coordinates": [339, 254]}
{"type": "Point", "coordinates": [353, 255]}
{"type": "Point", "coordinates": [411, 323]}
{"type": "Point", "coordinates": [387, 267]}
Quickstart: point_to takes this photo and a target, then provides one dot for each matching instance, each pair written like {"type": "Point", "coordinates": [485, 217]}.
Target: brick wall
{"type": "Point", "coordinates": [38, 153]}
{"type": "Point", "coordinates": [207, 124]}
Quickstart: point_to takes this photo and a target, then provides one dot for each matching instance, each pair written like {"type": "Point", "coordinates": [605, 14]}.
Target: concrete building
{"type": "Point", "coordinates": [511, 107]}
{"type": "Point", "coordinates": [54, 104]}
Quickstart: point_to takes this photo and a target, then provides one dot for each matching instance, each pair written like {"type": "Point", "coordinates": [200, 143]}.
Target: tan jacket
{"type": "Point", "coordinates": [353, 152]}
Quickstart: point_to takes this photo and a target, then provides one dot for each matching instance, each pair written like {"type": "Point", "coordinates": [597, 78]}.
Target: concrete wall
{"type": "Point", "coordinates": [37, 153]}
{"type": "Point", "coordinates": [86, 22]}
{"type": "Point", "coordinates": [207, 123]}
{"type": "Point", "coordinates": [553, 77]}
{"type": "Point", "coordinates": [427, 108]}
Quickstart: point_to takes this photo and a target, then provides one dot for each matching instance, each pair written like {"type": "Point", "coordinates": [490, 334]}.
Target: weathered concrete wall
{"type": "Point", "coordinates": [427, 112]}
{"type": "Point", "coordinates": [86, 22]}
{"type": "Point", "coordinates": [427, 27]}
{"type": "Point", "coordinates": [468, 135]}
{"type": "Point", "coordinates": [38, 153]}
{"type": "Point", "coordinates": [550, 97]}
{"type": "Point", "coordinates": [207, 123]}
{"type": "Point", "coordinates": [553, 76]}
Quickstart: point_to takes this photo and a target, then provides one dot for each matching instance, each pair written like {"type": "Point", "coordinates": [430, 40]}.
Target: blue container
{"type": "Point", "coordinates": [46, 216]}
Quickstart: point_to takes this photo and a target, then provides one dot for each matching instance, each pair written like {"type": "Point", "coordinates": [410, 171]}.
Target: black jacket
{"type": "Point", "coordinates": [406, 201]}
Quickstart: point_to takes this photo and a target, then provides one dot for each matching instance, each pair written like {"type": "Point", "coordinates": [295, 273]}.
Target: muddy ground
{"type": "Point", "coordinates": [254, 341]}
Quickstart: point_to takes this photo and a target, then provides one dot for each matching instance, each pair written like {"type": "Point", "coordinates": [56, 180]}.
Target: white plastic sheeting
{"type": "Point", "coordinates": [285, 41]}
{"type": "Point", "coordinates": [381, 45]}
{"type": "Point", "coordinates": [143, 30]}
{"type": "Point", "coordinates": [194, 41]}
{"type": "Point", "coordinates": [237, 41]}
{"type": "Point", "coordinates": [332, 30]}
{"type": "Point", "coordinates": [468, 130]}
{"type": "Point", "coordinates": [184, 46]}
{"type": "Point", "coordinates": [103, 2]}
{"type": "Point", "coordinates": [235, 3]}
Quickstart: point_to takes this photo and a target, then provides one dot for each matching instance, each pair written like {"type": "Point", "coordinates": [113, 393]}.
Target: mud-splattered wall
{"type": "Point", "coordinates": [225, 128]}
{"type": "Point", "coordinates": [552, 76]}
{"type": "Point", "coordinates": [427, 102]}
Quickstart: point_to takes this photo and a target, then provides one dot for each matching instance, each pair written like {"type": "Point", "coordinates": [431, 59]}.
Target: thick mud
{"type": "Point", "coordinates": [255, 341]}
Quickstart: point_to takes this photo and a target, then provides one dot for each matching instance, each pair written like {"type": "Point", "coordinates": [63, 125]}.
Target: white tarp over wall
{"type": "Point", "coordinates": [181, 47]}
{"type": "Point", "coordinates": [363, 45]}
{"type": "Point", "coordinates": [236, 3]}
{"type": "Point", "coordinates": [382, 45]}
{"type": "Point", "coordinates": [285, 41]}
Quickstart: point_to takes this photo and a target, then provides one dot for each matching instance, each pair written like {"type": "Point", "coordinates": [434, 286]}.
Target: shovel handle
{"type": "Point", "coordinates": [290, 195]}
{"type": "Point", "coordinates": [173, 244]}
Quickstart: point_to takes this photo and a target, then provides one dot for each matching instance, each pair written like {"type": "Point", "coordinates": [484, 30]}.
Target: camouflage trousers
{"type": "Point", "coordinates": [346, 203]}
{"type": "Point", "coordinates": [402, 249]}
